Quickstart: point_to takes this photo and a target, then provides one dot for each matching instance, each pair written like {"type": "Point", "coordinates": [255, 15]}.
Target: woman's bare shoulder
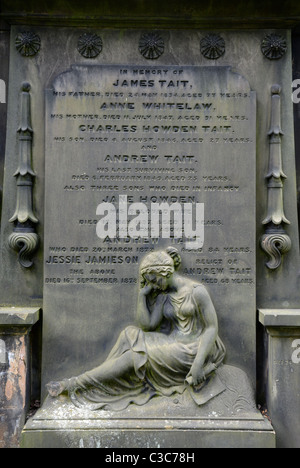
{"type": "Point", "coordinates": [195, 287]}
{"type": "Point", "coordinates": [201, 294]}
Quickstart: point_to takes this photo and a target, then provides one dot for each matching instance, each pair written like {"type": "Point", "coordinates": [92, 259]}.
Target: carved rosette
{"type": "Point", "coordinates": [273, 46]}
{"type": "Point", "coordinates": [28, 43]}
{"type": "Point", "coordinates": [275, 242]}
{"type": "Point", "coordinates": [151, 46]}
{"type": "Point", "coordinates": [89, 45]}
{"type": "Point", "coordinates": [212, 46]}
{"type": "Point", "coordinates": [24, 240]}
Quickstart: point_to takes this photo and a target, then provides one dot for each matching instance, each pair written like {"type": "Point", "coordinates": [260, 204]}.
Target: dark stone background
{"type": "Point", "coordinates": [4, 62]}
{"type": "Point", "coordinates": [155, 13]}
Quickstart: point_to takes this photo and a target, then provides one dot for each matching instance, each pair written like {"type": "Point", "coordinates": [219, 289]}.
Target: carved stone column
{"type": "Point", "coordinates": [15, 371]}
{"type": "Point", "coordinates": [24, 238]}
{"type": "Point", "coordinates": [275, 242]}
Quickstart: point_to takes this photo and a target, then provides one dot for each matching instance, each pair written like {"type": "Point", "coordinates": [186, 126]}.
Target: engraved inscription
{"type": "Point", "coordinates": [156, 135]}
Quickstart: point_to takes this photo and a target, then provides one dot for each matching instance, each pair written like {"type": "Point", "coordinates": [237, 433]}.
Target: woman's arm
{"type": "Point", "coordinates": [208, 336]}
{"type": "Point", "coordinates": [147, 320]}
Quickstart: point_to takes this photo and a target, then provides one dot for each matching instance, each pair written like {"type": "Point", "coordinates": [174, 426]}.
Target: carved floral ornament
{"type": "Point", "coordinates": [28, 43]}
{"type": "Point", "coordinates": [212, 46]}
{"type": "Point", "coordinates": [274, 46]}
{"type": "Point", "coordinates": [151, 46]}
{"type": "Point", "coordinates": [89, 45]}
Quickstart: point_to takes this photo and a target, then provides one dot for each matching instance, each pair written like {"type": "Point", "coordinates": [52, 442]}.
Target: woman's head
{"type": "Point", "coordinates": [158, 267]}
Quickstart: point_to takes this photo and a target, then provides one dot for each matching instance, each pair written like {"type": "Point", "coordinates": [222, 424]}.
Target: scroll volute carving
{"type": "Point", "coordinates": [24, 239]}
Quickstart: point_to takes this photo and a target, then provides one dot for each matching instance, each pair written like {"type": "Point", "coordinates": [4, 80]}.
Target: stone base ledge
{"type": "Point", "coordinates": [209, 437]}
{"type": "Point", "coordinates": [279, 317]}
{"type": "Point", "coordinates": [14, 316]}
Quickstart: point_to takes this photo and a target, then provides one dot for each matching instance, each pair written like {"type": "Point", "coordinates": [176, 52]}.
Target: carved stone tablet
{"type": "Point", "coordinates": [120, 140]}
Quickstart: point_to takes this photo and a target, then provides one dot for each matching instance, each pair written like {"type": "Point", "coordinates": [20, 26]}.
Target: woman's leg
{"type": "Point", "coordinates": [110, 369]}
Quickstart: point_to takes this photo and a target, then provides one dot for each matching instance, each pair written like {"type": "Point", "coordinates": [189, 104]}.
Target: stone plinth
{"type": "Point", "coordinates": [228, 420]}
{"type": "Point", "coordinates": [15, 371]}
{"type": "Point", "coordinates": [283, 373]}
{"type": "Point", "coordinates": [57, 431]}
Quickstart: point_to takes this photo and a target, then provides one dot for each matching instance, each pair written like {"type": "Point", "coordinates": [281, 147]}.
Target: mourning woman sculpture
{"type": "Point", "coordinates": [174, 346]}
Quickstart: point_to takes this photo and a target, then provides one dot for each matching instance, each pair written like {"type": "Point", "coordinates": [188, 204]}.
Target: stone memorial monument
{"type": "Point", "coordinates": [149, 225]}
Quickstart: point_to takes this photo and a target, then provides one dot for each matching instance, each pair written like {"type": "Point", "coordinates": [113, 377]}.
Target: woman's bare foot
{"type": "Point", "coordinates": [56, 388]}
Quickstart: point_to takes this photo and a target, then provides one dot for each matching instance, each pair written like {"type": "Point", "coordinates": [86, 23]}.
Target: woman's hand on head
{"type": "Point", "coordinates": [146, 290]}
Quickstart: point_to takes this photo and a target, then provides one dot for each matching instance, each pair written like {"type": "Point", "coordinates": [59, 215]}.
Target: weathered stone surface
{"type": "Point", "coordinates": [15, 372]}
{"type": "Point", "coordinates": [283, 373]}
